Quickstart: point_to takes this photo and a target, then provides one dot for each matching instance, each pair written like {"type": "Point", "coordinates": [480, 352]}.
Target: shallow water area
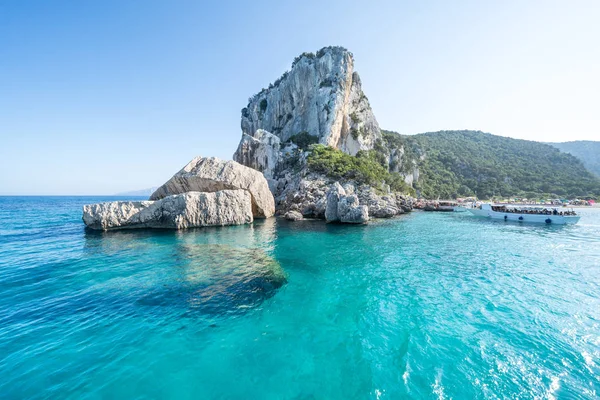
{"type": "Point", "coordinates": [427, 305]}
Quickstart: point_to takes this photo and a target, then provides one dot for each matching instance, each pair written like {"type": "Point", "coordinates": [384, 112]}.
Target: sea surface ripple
{"type": "Point", "coordinates": [428, 305]}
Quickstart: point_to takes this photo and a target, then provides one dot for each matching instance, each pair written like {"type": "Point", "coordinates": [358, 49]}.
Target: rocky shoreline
{"type": "Point", "coordinates": [206, 192]}
{"type": "Point", "coordinates": [319, 102]}
{"type": "Point", "coordinates": [180, 211]}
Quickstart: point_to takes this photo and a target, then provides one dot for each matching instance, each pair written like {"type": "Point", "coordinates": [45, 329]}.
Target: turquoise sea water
{"type": "Point", "coordinates": [423, 306]}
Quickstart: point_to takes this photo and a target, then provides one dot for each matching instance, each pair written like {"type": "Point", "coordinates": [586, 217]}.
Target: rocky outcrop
{"type": "Point", "coordinates": [351, 212]}
{"type": "Point", "coordinates": [385, 206]}
{"type": "Point", "coordinates": [336, 192]}
{"type": "Point", "coordinates": [316, 196]}
{"type": "Point", "coordinates": [342, 207]}
{"type": "Point", "coordinates": [320, 96]}
{"type": "Point", "coordinates": [206, 192]}
{"type": "Point", "coordinates": [259, 151]}
{"type": "Point", "coordinates": [320, 100]}
{"type": "Point", "coordinates": [306, 195]}
{"type": "Point", "coordinates": [293, 216]}
{"type": "Point", "coordinates": [181, 211]}
{"type": "Point", "coordinates": [211, 174]}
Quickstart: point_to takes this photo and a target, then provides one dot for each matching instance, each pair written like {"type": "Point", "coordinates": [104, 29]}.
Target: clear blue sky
{"type": "Point", "coordinates": [99, 97]}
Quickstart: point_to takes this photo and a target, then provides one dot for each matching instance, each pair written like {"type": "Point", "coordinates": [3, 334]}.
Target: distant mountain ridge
{"type": "Point", "coordinates": [587, 151]}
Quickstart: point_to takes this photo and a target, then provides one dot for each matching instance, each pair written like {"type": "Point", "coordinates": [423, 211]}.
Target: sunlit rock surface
{"type": "Point", "coordinates": [322, 96]}
{"type": "Point", "coordinates": [320, 100]}
{"type": "Point", "coordinates": [187, 210]}
{"type": "Point", "coordinates": [259, 151]}
{"type": "Point", "coordinates": [210, 174]}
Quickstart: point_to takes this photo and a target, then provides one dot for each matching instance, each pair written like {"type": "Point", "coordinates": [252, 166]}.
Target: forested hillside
{"type": "Point", "coordinates": [586, 150]}
{"type": "Point", "coordinates": [463, 163]}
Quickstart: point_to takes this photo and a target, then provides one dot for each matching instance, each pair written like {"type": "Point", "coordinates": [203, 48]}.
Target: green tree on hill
{"type": "Point", "coordinates": [459, 163]}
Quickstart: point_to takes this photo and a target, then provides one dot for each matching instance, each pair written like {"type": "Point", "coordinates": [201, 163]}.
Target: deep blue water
{"type": "Point", "coordinates": [423, 306]}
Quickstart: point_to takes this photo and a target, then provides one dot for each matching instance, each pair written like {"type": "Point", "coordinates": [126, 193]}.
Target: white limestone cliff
{"type": "Point", "coordinates": [320, 100]}
{"type": "Point", "coordinates": [260, 151]}
{"type": "Point", "coordinates": [321, 96]}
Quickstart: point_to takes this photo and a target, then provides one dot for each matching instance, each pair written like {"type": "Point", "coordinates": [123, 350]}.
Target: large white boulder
{"type": "Point", "coordinates": [210, 174]}
{"type": "Point", "coordinates": [181, 211]}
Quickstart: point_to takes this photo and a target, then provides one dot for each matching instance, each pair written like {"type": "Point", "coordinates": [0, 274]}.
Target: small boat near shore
{"type": "Point", "coordinates": [527, 214]}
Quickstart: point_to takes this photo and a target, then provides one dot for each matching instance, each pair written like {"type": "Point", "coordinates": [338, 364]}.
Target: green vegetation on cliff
{"type": "Point", "coordinates": [454, 164]}
{"type": "Point", "coordinates": [303, 140]}
{"type": "Point", "coordinates": [364, 168]}
{"type": "Point", "coordinates": [463, 163]}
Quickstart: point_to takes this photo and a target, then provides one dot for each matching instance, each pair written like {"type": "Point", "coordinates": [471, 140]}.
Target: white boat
{"type": "Point", "coordinates": [464, 204]}
{"type": "Point", "coordinates": [530, 214]}
{"type": "Point", "coordinates": [463, 207]}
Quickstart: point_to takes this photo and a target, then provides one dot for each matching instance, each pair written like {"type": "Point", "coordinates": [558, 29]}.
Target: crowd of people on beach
{"type": "Point", "coordinates": [544, 211]}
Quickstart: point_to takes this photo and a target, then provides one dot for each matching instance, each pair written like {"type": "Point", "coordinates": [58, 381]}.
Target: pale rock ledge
{"type": "Point", "coordinates": [181, 211]}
